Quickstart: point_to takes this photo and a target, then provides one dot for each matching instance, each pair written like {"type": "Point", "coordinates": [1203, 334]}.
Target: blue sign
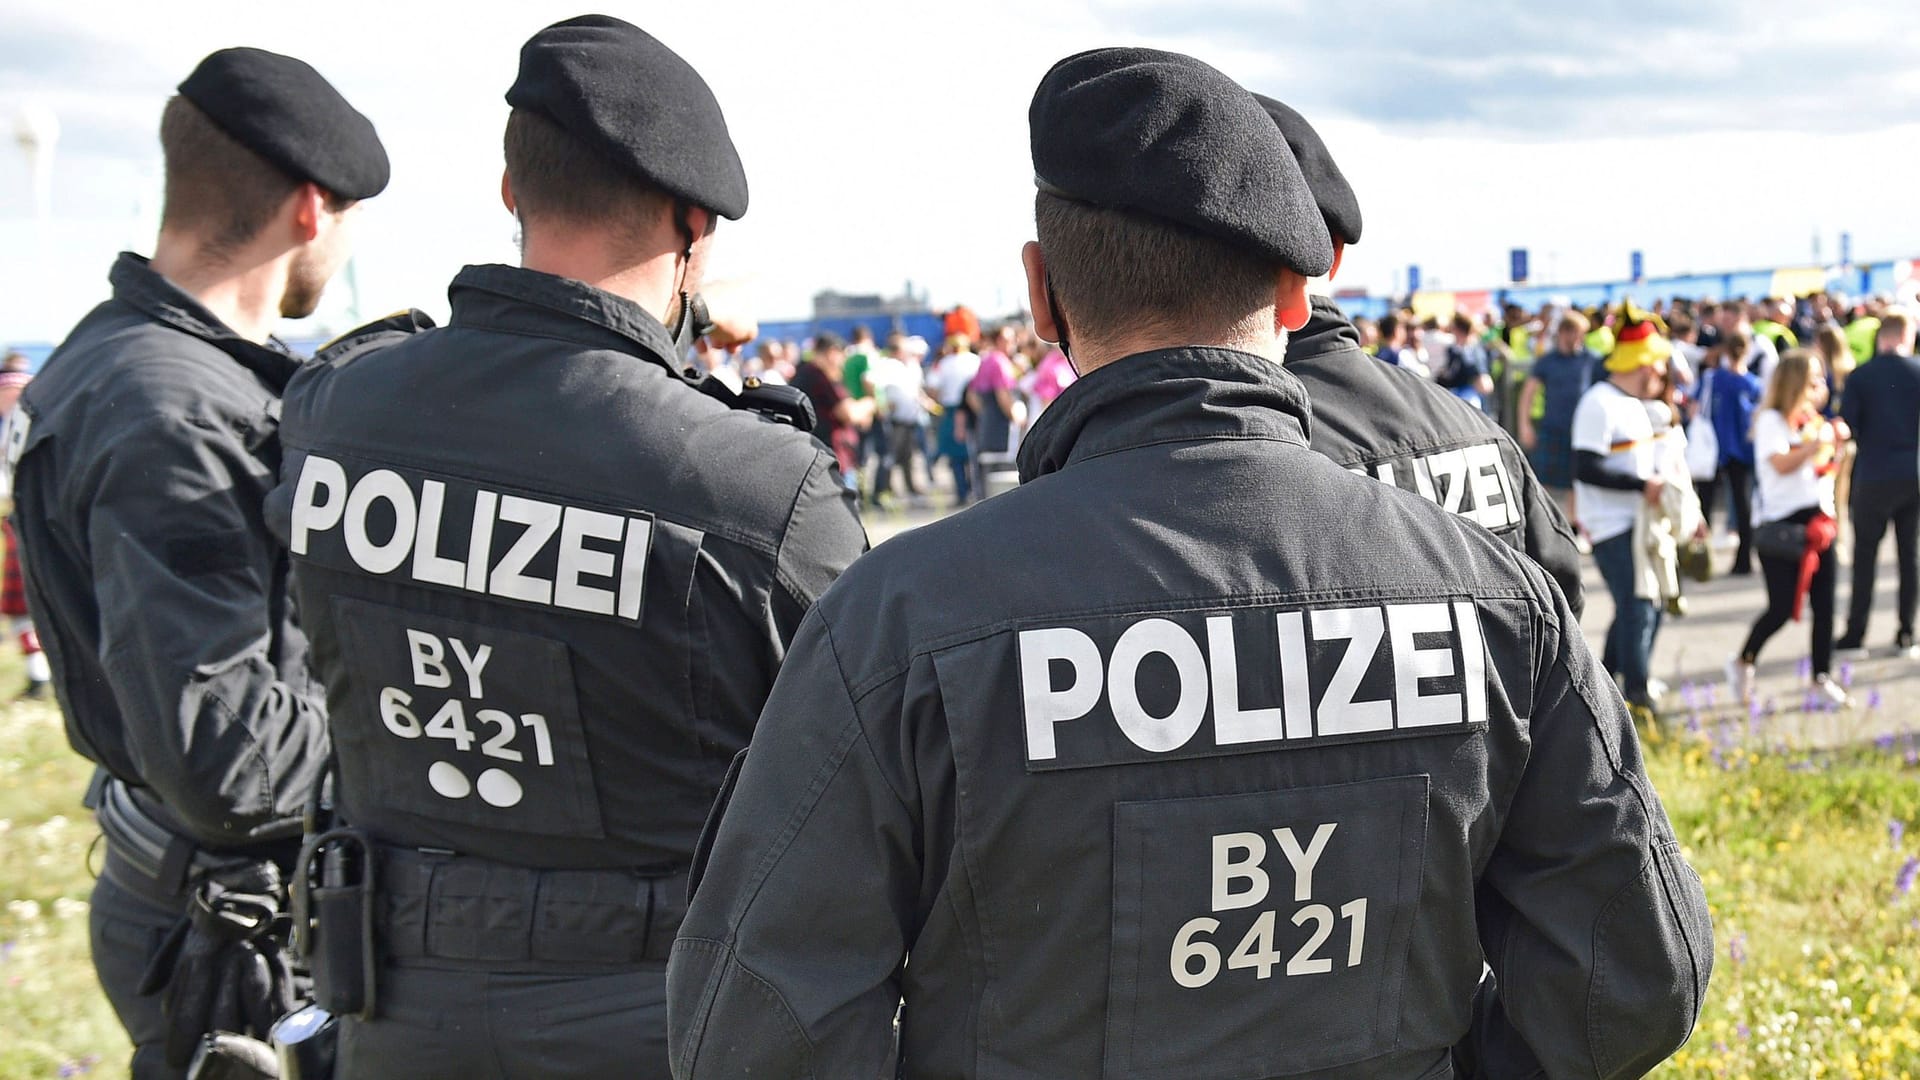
{"type": "Point", "coordinates": [1846, 249]}
{"type": "Point", "coordinates": [1413, 278]}
{"type": "Point", "coordinates": [1639, 266]}
{"type": "Point", "coordinates": [1518, 271]}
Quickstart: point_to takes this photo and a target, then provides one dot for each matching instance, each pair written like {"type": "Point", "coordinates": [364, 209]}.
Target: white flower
{"type": "Point", "coordinates": [68, 908]}
{"type": "Point", "coordinates": [24, 910]}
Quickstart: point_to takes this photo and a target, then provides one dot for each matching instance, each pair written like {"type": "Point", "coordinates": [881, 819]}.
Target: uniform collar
{"type": "Point", "coordinates": [138, 285]}
{"type": "Point", "coordinates": [515, 299]}
{"type": "Point", "coordinates": [1169, 395]}
{"type": "Point", "coordinates": [1327, 331]}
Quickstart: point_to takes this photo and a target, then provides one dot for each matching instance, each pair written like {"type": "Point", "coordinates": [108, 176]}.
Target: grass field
{"type": "Point", "coordinates": [1805, 854]}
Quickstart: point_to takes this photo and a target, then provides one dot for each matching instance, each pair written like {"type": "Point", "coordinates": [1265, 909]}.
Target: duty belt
{"type": "Point", "coordinates": [150, 848]}
{"type": "Point", "coordinates": [462, 907]}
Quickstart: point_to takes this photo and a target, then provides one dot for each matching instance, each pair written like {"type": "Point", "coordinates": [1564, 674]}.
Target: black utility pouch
{"type": "Point", "coordinates": [338, 879]}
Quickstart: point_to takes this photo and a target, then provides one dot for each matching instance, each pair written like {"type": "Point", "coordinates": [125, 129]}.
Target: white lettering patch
{"type": "Point", "coordinates": [456, 535]}
{"type": "Point", "coordinates": [1470, 482]}
{"type": "Point", "coordinates": [1184, 686]}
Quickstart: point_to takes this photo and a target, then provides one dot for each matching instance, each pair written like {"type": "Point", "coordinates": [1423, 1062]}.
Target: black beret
{"type": "Point", "coordinates": [614, 87]}
{"type": "Point", "coordinates": [281, 109]}
{"type": "Point", "coordinates": [1162, 134]}
{"type": "Point", "coordinates": [1324, 178]}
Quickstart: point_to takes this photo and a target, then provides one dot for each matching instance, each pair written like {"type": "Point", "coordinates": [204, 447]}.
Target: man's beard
{"type": "Point", "coordinates": [306, 281]}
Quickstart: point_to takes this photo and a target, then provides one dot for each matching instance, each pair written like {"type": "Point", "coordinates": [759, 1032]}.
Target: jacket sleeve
{"type": "Point", "coordinates": [823, 537]}
{"type": "Point", "coordinates": [1595, 927]}
{"type": "Point", "coordinates": [748, 632]}
{"type": "Point", "coordinates": [192, 600]}
{"type": "Point", "coordinates": [1549, 538]}
{"type": "Point", "coordinates": [788, 963]}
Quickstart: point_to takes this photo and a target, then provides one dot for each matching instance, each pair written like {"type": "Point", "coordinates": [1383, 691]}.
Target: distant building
{"type": "Point", "coordinates": [829, 304]}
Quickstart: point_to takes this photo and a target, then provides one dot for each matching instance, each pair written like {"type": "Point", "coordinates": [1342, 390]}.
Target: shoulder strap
{"type": "Point", "coordinates": [780, 404]}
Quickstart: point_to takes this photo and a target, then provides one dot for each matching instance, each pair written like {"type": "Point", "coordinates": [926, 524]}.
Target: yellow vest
{"type": "Point", "coordinates": [1772, 330]}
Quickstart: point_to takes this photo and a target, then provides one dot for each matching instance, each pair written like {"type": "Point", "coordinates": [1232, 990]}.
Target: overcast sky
{"type": "Point", "coordinates": [887, 142]}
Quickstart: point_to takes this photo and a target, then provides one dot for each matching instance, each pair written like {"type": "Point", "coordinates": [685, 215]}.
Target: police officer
{"type": "Point", "coordinates": [143, 455]}
{"type": "Point", "coordinates": [549, 574]}
{"type": "Point", "coordinates": [1389, 423]}
{"type": "Point", "coordinates": [1196, 755]}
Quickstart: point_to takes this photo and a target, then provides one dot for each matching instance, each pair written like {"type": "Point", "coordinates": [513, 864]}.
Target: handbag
{"type": "Point", "coordinates": [1703, 444]}
{"type": "Point", "coordinates": [1780, 540]}
{"type": "Point", "coordinates": [1696, 561]}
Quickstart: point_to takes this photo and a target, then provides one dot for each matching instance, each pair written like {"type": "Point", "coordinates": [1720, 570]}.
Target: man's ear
{"type": "Point", "coordinates": [309, 204]}
{"type": "Point", "coordinates": [506, 193]}
{"type": "Point", "coordinates": [1290, 308]}
{"type": "Point", "coordinates": [1035, 263]}
{"type": "Point", "coordinates": [1339, 253]}
{"type": "Point", "coordinates": [700, 220]}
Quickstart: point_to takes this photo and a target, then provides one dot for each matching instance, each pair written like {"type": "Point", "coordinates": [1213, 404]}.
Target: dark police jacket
{"type": "Point", "coordinates": [1882, 405]}
{"type": "Point", "coordinates": [548, 580]}
{"type": "Point", "coordinates": [1389, 423]}
{"type": "Point", "coordinates": [144, 453]}
{"type": "Point", "coordinates": [1196, 756]}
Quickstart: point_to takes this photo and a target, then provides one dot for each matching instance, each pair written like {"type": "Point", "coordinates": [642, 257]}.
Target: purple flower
{"type": "Point", "coordinates": [1737, 948]}
{"type": "Point", "coordinates": [1743, 1030]}
{"type": "Point", "coordinates": [1884, 743]}
{"type": "Point", "coordinates": [1755, 710]}
{"type": "Point", "coordinates": [1686, 695]}
{"type": "Point", "coordinates": [1873, 698]}
{"type": "Point", "coordinates": [1713, 696]}
{"type": "Point", "coordinates": [1804, 668]}
{"type": "Point", "coordinates": [1903, 881]}
{"type": "Point", "coordinates": [1846, 675]}
{"type": "Point", "coordinates": [1895, 830]}
{"type": "Point", "coordinates": [1693, 723]}
{"type": "Point", "coordinates": [1810, 703]}
{"type": "Point", "coordinates": [1913, 758]}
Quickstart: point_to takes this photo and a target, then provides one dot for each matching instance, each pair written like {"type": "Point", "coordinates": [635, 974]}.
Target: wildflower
{"type": "Point", "coordinates": [1884, 743]}
{"type": "Point", "coordinates": [1737, 949]}
{"type": "Point", "coordinates": [1873, 698]}
{"type": "Point", "coordinates": [1846, 676]}
{"type": "Point", "coordinates": [1686, 695]}
{"type": "Point", "coordinates": [1743, 1031]}
{"type": "Point", "coordinates": [1804, 669]}
{"type": "Point", "coordinates": [1903, 881]}
{"type": "Point", "coordinates": [1895, 830]}
{"type": "Point", "coordinates": [1693, 723]}
{"type": "Point", "coordinates": [24, 910]}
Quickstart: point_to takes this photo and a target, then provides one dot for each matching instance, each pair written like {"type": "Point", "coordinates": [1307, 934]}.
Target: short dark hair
{"type": "Point", "coordinates": [556, 176]}
{"type": "Point", "coordinates": [216, 188]}
{"type": "Point", "coordinates": [862, 335]}
{"type": "Point", "coordinates": [827, 341]}
{"type": "Point", "coordinates": [1115, 271]}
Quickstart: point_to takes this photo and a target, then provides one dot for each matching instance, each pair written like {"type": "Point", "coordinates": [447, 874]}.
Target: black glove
{"type": "Point", "coordinates": [224, 966]}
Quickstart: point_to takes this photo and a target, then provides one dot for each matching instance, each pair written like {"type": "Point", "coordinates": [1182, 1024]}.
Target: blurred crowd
{"type": "Point", "coordinates": [900, 412]}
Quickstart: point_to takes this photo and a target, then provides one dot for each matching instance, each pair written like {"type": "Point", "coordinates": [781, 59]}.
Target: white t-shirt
{"type": "Point", "coordinates": [1783, 494]}
{"type": "Point", "coordinates": [951, 375]}
{"type": "Point", "coordinates": [1617, 426]}
{"type": "Point", "coordinates": [898, 385]}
